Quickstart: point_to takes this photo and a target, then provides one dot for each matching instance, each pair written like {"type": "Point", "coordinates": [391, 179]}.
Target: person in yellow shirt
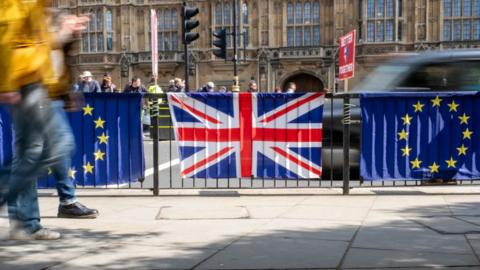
{"type": "Point", "coordinates": [25, 72]}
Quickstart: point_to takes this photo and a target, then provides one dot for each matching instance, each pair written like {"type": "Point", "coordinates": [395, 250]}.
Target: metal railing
{"type": "Point", "coordinates": [341, 147]}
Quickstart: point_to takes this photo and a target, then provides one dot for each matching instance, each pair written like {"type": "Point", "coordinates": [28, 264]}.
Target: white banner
{"type": "Point", "coordinates": [154, 43]}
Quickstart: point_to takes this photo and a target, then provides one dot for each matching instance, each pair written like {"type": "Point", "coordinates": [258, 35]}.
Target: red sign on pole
{"type": "Point", "coordinates": [347, 56]}
{"type": "Point", "coordinates": [154, 43]}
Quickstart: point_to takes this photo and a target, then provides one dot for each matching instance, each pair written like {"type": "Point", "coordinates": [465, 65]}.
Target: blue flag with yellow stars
{"type": "Point", "coordinates": [420, 136]}
{"type": "Point", "coordinates": [109, 142]}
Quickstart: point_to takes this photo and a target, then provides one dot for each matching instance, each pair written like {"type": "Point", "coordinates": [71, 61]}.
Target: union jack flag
{"type": "Point", "coordinates": [259, 135]}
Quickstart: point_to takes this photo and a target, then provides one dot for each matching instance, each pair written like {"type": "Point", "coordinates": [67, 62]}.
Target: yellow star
{"type": "Point", "coordinates": [50, 171]}
{"type": "Point", "coordinates": [71, 173]}
{"type": "Point", "coordinates": [453, 106]}
{"type": "Point", "coordinates": [418, 107]}
{"type": "Point", "coordinates": [99, 123]}
{"type": "Point", "coordinates": [464, 119]}
{"type": "Point", "coordinates": [99, 155]}
{"type": "Point", "coordinates": [436, 101]}
{"type": "Point", "coordinates": [434, 168]}
{"type": "Point", "coordinates": [403, 135]}
{"type": "Point", "coordinates": [103, 138]}
{"type": "Point", "coordinates": [406, 151]}
{"type": "Point", "coordinates": [416, 163]}
{"type": "Point", "coordinates": [87, 110]}
{"type": "Point", "coordinates": [451, 162]}
{"type": "Point", "coordinates": [88, 168]}
{"type": "Point", "coordinates": [467, 134]}
{"type": "Point", "coordinates": [406, 119]}
{"type": "Point", "coordinates": [462, 150]}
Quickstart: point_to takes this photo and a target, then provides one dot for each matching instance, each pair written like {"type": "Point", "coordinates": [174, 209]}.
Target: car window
{"type": "Point", "coordinates": [460, 76]}
{"type": "Point", "coordinates": [383, 78]}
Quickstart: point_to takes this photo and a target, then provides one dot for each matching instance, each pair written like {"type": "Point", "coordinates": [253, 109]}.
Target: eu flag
{"type": "Point", "coordinates": [109, 141]}
{"type": "Point", "coordinates": [420, 136]}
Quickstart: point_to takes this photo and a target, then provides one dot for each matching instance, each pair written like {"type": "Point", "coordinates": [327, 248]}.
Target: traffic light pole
{"type": "Point", "coordinates": [185, 52]}
{"type": "Point", "coordinates": [236, 86]}
{"type": "Point", "coordinates": [188, 24]}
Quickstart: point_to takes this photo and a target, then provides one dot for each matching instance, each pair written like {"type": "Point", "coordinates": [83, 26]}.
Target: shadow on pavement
{"type": "Point", "coordinates": [430, 236]}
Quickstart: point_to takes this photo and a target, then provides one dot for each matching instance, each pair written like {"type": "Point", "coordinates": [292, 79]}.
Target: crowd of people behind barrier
{"type": "Point", "coordinates": [87, 84]}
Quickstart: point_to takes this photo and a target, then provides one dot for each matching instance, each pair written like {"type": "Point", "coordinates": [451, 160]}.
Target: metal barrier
{"type": "Point", "coordinates": [340, 156]}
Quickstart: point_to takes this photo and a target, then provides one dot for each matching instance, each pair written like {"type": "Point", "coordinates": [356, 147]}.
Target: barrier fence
{"type": "Point", "coordinates": [340, 156]}
{"type": "Point", "coordinates": [109, 128]}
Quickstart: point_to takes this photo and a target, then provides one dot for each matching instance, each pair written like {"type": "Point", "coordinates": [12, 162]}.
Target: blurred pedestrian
{"type": "Point", "coordinates": [107, 85]}
{"type": "Point", "coordinates": [291, 88]}
{"type": "Point", "coordinates": [88, 84]}
{"type": "Point", "coordinates": [171, 86]}
{"type": "Point", "coordinates": [179, 85]}
{"type": "Point", "coordinates": [135, 86]}
{"type": "Point", "coordinates": [222, 89]}
{"type": "Point", "coordinates": [154, 88]}
{"type": "Point", "coordinates": [39, 142]}
{"type": "Point", "coordinates": [278, 90]}
{"type": "Point", "coordinates": [252, 87]}
{"type": "Point", "coordinates": [57, 83]}
{"type": "Point", "coordinates": [209, 88]}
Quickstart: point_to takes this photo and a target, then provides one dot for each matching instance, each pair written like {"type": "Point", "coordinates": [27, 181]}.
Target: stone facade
{"type": "Point", "coordinates": [269, 58]}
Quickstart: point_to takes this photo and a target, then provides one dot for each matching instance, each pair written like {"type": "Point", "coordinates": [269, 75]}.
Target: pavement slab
{"type": "Point", "coordinates": [311, 229]}
{"type": "Point", "coordinates": [373, 230]}
{"type": "Point", "coordinates": [198, 212]}
{"type": "Point", "coordinates": [409, 237]}
{"type": "Point", "coordinates": [385, 259]}
{"type": "Point", "coordinates": [267, 252]}
{"type": "Point", "coordinates": [327, 213]}
{"type": "Point", "coordinates": [448, 225]}
{"type": "Point", "coordinates": [138, 257]}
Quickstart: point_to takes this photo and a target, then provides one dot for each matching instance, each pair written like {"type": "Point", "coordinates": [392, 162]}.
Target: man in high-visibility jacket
{"type": "Point", "coordinates": [25, 72]}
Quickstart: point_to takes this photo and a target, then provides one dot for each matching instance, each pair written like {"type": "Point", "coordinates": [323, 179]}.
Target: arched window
{"type": "Point", "coordinates": [167, 19]}
{"type": "Point", "coordinates": [224, 19]}
{"type": "Point", "coordinates": [316, 12]}
{"type": "Point", "coordinates": [290, 13]}
{"type": "Point", "coordinates": [307, 12]}
{"type": "Point", "coordinates": [303, 23]}
{"type": "Point", "coordinates": [167, 27]}
{"type": "Point", "coordinates": [226, 13]}
{"type": "Point", "coordinates": [298, 12]}
{"type": "Point", "coordinates": [99, 31]}
{"type": "Point", "coordinates": [109, 30]}
{"type": "Point", "coordinates": [461, 20]}
{"type": "Point", "coordinates": [218, 14]}
{"type": "Point", "coordinates": [380, 21]}
{"type": "Point", "coordinates": [245, 22]}
{"type": "Point", "coordinates": [245, 12]}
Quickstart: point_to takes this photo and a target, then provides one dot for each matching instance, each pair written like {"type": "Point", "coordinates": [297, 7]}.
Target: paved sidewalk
{"type": "Point", "coordinates": [413, 228]}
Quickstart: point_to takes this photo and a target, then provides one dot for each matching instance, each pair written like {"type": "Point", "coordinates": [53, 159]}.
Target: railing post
{"type": "Point", "coordinates": [346, 144]}
{"type": "Point", "coordinates": [154, 113]}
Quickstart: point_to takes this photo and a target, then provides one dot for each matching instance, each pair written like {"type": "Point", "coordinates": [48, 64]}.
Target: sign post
{"type": "Point", "coordinates": [346, 61]}
{"type": "Point", "coordinates": [154, 114]}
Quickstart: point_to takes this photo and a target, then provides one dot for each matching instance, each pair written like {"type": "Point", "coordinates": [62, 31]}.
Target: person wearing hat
{"type": "Point", "coordinates": [209, 88]}
{"type": "Point", "coordinates": [107, 85]}
{"type": "Point", "coordinates": [88, 84]}
{"type": "Point", "coordinates": [252, 87]}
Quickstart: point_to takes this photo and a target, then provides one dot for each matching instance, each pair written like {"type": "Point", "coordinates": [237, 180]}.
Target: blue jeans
{"type": "Point", "coordinates": [39, 145]}
{"type": "Point", "coordinates": [65, 185]}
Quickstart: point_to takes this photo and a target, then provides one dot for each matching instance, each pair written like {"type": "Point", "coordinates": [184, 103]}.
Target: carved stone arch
{"type": "Point", "coordinates": [306, 81]}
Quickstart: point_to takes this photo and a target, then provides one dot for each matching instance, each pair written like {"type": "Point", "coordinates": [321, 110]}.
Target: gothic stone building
{"type": "Point", "coordinates": [286, 40]}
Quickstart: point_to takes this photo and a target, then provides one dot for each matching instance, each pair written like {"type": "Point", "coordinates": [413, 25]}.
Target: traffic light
{"type": "Point", "coordinates": [188, 24]}
{"type": "Point", "coordinates": [221, 43]}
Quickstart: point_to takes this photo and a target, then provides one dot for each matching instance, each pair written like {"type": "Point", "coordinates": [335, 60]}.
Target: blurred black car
{"type": "Point", "coordinates": [437, 71]}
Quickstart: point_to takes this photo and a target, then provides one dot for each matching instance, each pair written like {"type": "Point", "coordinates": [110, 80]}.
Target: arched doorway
{"type": "Point", "coordinates": [305, 83]}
